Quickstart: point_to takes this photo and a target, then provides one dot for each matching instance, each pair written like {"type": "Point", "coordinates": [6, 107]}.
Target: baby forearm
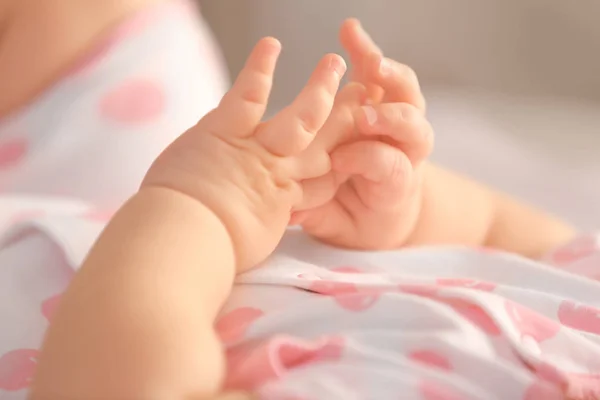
{"type": "Point", "coordinates": [137, 320]}
{"type": "Point", "coordinates": [457, 210]}
{"type": "Point", "coordinates": [524, 229]}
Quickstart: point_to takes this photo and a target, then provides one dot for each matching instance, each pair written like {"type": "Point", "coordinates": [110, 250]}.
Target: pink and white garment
{"type": "Point", "coordinates": [77, 151]}
{"type": "Point", "coordinates": [93, 134]}
{"type": "Point", "coordinates": [313, 322]}
{"type": "Point", "coordinates": [317, 322]}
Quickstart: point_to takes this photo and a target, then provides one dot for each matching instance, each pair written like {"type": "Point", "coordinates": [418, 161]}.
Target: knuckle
{"type": "Point", "coordinates": [297, 144]}
{"type": "Point", "coordinates": [252, 95]}
{"type": "Point", "coordinates": [325, 96]}
{"type": "Point", "coordinates": [424, 141]}
{"type": "Point", "coordinates": [256, 90]}
{"type": "Point", "coordinates": [326, 89]}
{"type": "Point", "coordinates": [308, 120]}
{"type": "Point", "coordinates": [261, 77]}
{"type": "Point", "coordinates": [305, 121]}
{"type": "Point", "coordinates": [397, 166]}
{"type": "Point", "coordinates": [408, 112]}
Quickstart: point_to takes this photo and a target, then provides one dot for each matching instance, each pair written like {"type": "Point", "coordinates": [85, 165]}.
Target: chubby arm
{"type": "Point", "coordinates": [123, 330]}
{"type": "Point", "coordinates": [457, 210]}
{"type": "Point", "coordinates": [137, 319]}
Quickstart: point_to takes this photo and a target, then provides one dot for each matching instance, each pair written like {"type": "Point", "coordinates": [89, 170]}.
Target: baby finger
{"type": "Point", "coordinates": [402, 123]}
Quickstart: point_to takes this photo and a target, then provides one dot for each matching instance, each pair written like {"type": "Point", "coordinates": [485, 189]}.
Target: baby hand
{"type": "Point", "coordinates": [245, 171]}
{"type": "Point", "coordinates": [377, 204]}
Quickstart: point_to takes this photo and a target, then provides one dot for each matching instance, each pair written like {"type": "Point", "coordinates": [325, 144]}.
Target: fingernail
{"type": "Point", "coordinates": [337, 65]}
{"type": "Point", "coordinates": [370, 115]}
{"type": "Point", "coordinates": [273, 46]}
{"type": "Point", "coordinates": [385, 66]}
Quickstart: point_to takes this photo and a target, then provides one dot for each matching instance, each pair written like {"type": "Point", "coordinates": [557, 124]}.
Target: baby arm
{"type": "Point", "coordinates": [437, 206]}
{"type": "Point", "coordinates": [125, 329]}
{"type": "Point", "coordinates": [458, 210]}
{"type": "Point", "coordinates": [137, 320]}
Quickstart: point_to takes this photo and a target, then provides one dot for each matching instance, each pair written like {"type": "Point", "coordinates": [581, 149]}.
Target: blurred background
{"type": "Point", "coordinates": [513, 86]}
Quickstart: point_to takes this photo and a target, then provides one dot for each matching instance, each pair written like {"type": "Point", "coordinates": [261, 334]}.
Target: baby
{"type": "Point", "coordinates": [148, 312]}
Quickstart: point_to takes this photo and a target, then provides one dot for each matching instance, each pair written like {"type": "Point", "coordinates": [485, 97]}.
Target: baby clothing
{"type": "Point", "coordinates": [93, 134]}
{"type": "Point", "coordinates": [313, 322]}
{"type": "Point", "coordinates": [317, 322]}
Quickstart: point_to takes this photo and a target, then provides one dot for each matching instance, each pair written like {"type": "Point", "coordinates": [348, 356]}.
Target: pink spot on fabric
{"type": "Point", "coordinates": [49, 306]}
{"type": "Point", "coordinates": [12, 151]}
{"type": "Point", "coordinates": [578, 249]}
{"type": "Point", "coordinates": [467, 283]}
{"type": "Point", "coordinates": [540, 390]}
{"type": "Point", "coordinates": [252, 365]}
{"type": "Point", "coordinates": [553, 375]}
{"type": "Point", "coordinates": [431, 390]}
{"type": "Point", "coordinates": [232, 326]}
{"type": "Point", "coordinates": [136, 101]}
{"type": "Point", "coordinates": [332, 288]}
{"type": "Point", "coordinates": [330, 348]}
{"type": "Point", "coordinates": [431, 359]}
{"type": "Point", "coordinates": [249, 366]}
{"type": "Point", "coordinates": [579, 316]}
{"type": "Point", "coordinates": [17, 368]}
{"type": "Point", "coordinates": [530, 323]}
{"type": "Point", "coordinates": [475, 314]}
{"type": "Point", "coordinates": [583, 386]}
{"type": "Point", "coordinates": [359, 301]}
{"type": "Point", "coordinates": [347, 295]}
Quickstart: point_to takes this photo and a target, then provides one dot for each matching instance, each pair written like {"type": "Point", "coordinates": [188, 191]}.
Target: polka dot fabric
{"type": "Point", "coordinates": [96, 131]}
{"type": "Point", "coordinates": [71, 157]}
{"type": "Point", "coordinates": [320, 323]}
{"type": "Point", "coordinates": [414, 324]}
